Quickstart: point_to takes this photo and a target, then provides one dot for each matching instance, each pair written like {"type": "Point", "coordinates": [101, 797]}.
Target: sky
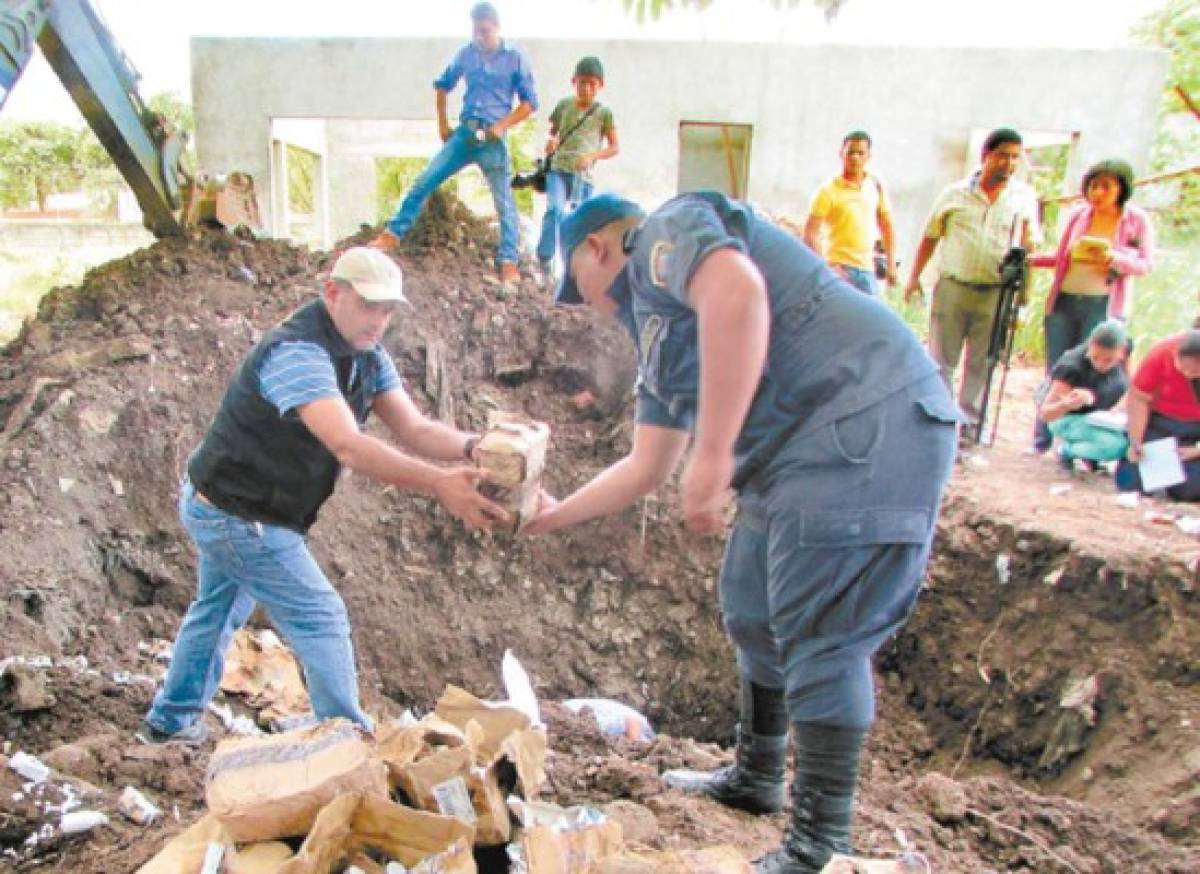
{"type": "Point", "coordinates": [155, 34]}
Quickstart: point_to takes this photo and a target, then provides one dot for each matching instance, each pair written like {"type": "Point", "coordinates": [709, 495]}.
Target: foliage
{"type": "Point", "coordinates": [40, 158]}
{"type": "Point", "coordinates": [393, 178]}
{"type": "Point", "coordinates": [25, 278]}
{"type": "Point", "coordinates": [654, 9]}
{"type": "Point", "coordinates": [1175, 26]}
{"type": "Point", "coordinates": [171, 105]}
{"type": "Point", "coordinates": [1166, 300]}
{"type": "Point", "coordinates": [301, 180]}
{"type": "Point", "coordinates": [521, 150]}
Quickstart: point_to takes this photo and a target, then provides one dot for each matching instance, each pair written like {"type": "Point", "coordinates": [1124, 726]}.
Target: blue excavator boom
{"type": "Point", "coordinates": [103, 83]}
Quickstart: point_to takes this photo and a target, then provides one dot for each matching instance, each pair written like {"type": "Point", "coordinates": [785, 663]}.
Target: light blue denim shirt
{"type": "Point", "coordinates": [492, 80]}
{"type": "Point", "coordinates": [833, 351]}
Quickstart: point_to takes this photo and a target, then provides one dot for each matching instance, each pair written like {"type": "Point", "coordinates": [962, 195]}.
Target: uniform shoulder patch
{"type": "Point", "coordinates": [660, 262]}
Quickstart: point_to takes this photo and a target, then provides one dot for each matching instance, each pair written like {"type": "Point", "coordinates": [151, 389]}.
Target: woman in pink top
{"type": "Point", "coordinates": [1105, 240]}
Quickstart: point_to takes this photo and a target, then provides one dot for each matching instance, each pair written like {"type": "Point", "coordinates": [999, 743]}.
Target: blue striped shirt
{"type": "Point", "coordinates": [297, 372]}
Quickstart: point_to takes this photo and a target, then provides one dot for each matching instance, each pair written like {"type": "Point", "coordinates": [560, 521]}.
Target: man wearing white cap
{"type": "Point", "coordinates": [291, 419]}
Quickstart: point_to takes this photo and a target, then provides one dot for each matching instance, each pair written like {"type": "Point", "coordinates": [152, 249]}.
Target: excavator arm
{"type": "Point", "coordinates": [103, 83]}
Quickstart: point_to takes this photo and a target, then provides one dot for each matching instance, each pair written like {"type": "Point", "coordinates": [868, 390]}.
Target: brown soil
{"type": "Point", "coordinates": [103, 396]}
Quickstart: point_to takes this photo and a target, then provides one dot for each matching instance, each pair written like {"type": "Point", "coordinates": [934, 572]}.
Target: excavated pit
{"type": "Point", "coordinates": [103, 396]}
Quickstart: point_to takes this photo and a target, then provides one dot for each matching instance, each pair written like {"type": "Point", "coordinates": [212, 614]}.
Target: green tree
{"type": "Point", "coordinates": [39, 158]}
{"type": "Point", "coordinates": [1175, 26]}
{"type": "Point", "coordinates": [179, 112]}
{"type": "Point", "coordinates": [1166, 300]}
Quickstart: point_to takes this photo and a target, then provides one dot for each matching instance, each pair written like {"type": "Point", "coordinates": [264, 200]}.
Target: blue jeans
{"type": "Point", "coordinates": [243, 563]}
{"type": "Point", "coordinates": [1128, 477]}
{"type": "Point", "coordinates": [460, 150]}
{"type": "Point", "coordinates": [1071, 322]}
{"type": "Point", "coordinates": [564, 192]}
{"type": "Point", "coordinates": [863, 280]}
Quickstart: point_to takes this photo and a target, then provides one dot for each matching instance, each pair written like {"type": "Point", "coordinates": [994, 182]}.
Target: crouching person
{"type": "Point", "coordinates": [1089, 378]}
{"type": "Point", "coordinates": [1164, 401]}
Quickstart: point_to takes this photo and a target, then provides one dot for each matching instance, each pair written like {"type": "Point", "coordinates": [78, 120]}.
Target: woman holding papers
{"type": "Point", "coordinates": [1105, 240]}
{"type": "Point", "coordinates": [1164, 405]}
{"type": "Point", "coordinates": [1086, 382]}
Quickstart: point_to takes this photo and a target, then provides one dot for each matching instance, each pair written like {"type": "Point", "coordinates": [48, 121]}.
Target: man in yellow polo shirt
{"type": "Point", "coordinates": [850, 207]}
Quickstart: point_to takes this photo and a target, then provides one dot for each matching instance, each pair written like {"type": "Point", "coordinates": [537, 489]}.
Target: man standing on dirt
{"type": "Point", "coordinates": [977, 220]}
{"type": "Point", "coordinates": [850, 206]}
{"type": "Point", "coordinates": [290, 421]}
{"type": "Point", "coordinates": [495, 73]}
{"type": "Point", "coordinates": [800, 393]}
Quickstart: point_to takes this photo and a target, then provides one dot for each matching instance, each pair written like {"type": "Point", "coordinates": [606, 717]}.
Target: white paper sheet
{"type": "Point", "coordinates": [1114, 420]}
{"type": "Point", "coordinates": [1160, 465]}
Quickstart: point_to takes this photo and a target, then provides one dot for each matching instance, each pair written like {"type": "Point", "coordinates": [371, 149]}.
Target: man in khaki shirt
{"type": "Point", "coordinates": [976, 220]}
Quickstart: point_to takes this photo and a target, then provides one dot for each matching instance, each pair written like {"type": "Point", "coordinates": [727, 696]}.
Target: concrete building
{"type": "Point", "coordinates": [762, 121]}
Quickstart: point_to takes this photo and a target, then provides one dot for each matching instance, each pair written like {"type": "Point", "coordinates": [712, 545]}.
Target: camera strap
{"type": "Point", "coordinates": [575, 127]}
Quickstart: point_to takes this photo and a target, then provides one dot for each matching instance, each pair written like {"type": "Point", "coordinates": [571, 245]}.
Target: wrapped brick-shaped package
{"type": "Point", "coordinates": [513, 452]}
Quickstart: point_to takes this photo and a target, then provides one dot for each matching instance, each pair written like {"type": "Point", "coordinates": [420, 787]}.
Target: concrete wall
{"type": "Point", "coordinates": [47, 238]}
{"type": "Point", "coordinates": [922, 106]}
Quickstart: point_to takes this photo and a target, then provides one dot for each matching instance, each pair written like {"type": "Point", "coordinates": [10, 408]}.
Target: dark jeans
{"type": "Point", "coordinates": [1129, 479]}
{"type": "Point", "coordinates": [1074, 317]}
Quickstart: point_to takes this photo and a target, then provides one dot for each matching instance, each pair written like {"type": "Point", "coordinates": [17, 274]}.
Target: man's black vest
{"type": "Point", "coordinates": [259, 465]}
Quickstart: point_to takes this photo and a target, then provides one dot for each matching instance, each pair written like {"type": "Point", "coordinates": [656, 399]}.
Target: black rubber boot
{"type": "Point", "coordinates": [754, 782]}
{"type": "Point", "coordinates": [826, 761]}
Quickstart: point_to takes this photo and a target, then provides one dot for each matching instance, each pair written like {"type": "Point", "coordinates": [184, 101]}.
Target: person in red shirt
{"type": "Point", "coordinates": [1164, 401]}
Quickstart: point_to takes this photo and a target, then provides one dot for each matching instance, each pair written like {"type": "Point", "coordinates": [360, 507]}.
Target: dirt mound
{"type": "Point", "coordinates": [103, 396]}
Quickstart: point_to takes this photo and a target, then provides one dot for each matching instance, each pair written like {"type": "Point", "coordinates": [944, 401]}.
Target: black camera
{"type": "Point", "coordinates": [1014, 270]}
{"type": "Point", "coordinates": [536, 179]}
{"type": "Point", "coordinates": [879, 260]}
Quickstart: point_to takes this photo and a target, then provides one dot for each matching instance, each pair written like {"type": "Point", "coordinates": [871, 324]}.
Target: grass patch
{"type": "Point", "coordinates": [26, 277]}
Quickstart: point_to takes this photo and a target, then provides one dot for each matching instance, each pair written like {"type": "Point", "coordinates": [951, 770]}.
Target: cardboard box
{"type": "Point", "coordinates": [270, 787]}
{"type": "Point", "coordinates": [513, 453]}
{"type": "Point", "coordinates": [185, 853]}
{"type": "Point", "coordinates": [448, 782]}
{"type": "Point", "coordinates": [353, 823]}
{"type": "Point", "coordinates": [572, 840]}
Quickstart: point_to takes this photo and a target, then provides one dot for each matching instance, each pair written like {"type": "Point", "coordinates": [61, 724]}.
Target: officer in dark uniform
{"type": "Point", "coordinates": [823, 411]}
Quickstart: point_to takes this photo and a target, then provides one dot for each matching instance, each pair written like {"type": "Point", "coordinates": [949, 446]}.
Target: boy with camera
{"type": "Point", "coordinates": [581, 133]}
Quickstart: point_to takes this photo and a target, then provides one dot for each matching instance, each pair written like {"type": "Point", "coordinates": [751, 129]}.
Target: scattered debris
{"type": "Point", "coordinates": [135, 807]}
{"type": "Point", "coordinates": [1188, 524]}
{"type": "Point", "coordinates": [613, 717]}
{"type": "Point", "coordinates": [1004, 568]}
{"type": "Point", "coordinates": [29, 767]}
{"type": "Point", "coordinates": [265, 674]}
{"type": "Point", "coordinates": [80, 821]}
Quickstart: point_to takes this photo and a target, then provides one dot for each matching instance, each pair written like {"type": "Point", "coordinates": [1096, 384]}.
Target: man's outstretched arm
{"type": "Point", "coordinates": [655, 455]}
